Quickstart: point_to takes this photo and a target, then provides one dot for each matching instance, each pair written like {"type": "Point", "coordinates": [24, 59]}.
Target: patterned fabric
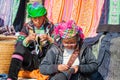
{"type": "Point", "coordinates": [86, 13]}
{"type": "Point", "coordinates": [8, 11]}
{"type": "Point", "coordinates": [96, 18]}
{"type": "Point", "coordinates": [114, 13]}
{"type": "Point", "coordinates": [105, 13]}
{"type": "Point", "coordinates": [111, 12]}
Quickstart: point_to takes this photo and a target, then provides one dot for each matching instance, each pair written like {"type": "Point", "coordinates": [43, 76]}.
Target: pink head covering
{"type": "Point", "coordinates": [68, 30]}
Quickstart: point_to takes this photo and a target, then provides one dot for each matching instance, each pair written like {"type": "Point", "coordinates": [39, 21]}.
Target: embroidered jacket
{"type": "Point", "coordinates": [29, 28]}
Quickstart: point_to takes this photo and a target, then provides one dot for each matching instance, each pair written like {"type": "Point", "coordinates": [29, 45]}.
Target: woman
{"type": "Point", "coordinates": [73, 60]}
{"type": "Point", "coordinates": [32, 43]}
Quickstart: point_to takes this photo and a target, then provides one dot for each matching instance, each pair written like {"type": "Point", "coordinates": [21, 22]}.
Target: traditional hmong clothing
{"type": "Point", "coordinates": [29, 56]}
{"type": "Point", "coordinates": [85, 59]}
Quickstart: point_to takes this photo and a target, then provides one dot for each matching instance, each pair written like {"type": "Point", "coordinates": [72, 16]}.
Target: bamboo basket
{"type": "Point", "coordinates": [6, 50]}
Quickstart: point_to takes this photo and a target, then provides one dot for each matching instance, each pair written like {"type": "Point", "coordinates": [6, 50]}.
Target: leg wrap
{"type": "Point", "coordinates": [16, 63]}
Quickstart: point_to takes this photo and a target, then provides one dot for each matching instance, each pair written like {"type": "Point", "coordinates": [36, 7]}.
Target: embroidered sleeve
{"type": "Point", "coordinates": [21, 37]}
{"type": "Point", "coordinates": [25, 43]}
{"type": "Point", "coordinates": [23, 34]}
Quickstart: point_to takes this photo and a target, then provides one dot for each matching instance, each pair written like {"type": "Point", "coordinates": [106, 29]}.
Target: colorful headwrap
{"type": "Point", "coordinates": [36, 10]}
{"type": "Point", "coordinates": [68, 30]}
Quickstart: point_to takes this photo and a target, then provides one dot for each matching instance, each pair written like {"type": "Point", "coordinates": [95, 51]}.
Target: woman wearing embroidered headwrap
{"type": "Point", "coordinates": [71, 61]}
{"type": "Point", "coordinates": [33, 41]}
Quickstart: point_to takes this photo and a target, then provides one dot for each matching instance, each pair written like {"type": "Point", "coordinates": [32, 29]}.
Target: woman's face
{"type": "Point", "coordinates": [38, 21]}
{"type": "Point", "coordinates": [70, 43]}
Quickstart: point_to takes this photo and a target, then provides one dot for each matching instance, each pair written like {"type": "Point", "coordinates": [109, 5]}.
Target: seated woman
{"type": "Point", "coordinates": [72, 60]}
{"type": "Point", "coordinates": [33, 41]}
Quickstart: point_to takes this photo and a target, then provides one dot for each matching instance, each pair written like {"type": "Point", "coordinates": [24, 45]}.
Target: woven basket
{"type": "Point", "coordinates": [6, 49]}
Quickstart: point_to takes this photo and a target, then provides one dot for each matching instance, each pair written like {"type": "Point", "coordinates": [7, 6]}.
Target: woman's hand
{"type": "Point", "coordinates": [46, 37]}
{"type": "Point", "coordinates": [31, 36]}
{"type": "Point", "coordinates": [75, 68]}
{"type": "Point", "coordinates": [63, 67]}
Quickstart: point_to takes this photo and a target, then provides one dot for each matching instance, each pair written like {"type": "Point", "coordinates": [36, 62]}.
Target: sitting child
{"type": "Point", "coordinates": [72, 60]}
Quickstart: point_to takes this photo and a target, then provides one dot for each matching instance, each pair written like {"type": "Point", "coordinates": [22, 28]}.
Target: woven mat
{"type": "Point", "coordinates": [10, 37]}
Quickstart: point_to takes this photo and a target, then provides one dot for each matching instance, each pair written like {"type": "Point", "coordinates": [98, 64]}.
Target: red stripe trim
{"type": "Point", "coordinates": [22, 33]}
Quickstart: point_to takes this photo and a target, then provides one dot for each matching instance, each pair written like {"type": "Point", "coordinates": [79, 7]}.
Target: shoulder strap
{"type": "Point", "coordinates": [73, 57]}
{"type": "Point", "coordinates": [75, 54]}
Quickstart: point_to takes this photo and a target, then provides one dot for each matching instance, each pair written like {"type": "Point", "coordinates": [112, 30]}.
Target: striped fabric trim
{"type": "Point", "coordinates": [17, 57]}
